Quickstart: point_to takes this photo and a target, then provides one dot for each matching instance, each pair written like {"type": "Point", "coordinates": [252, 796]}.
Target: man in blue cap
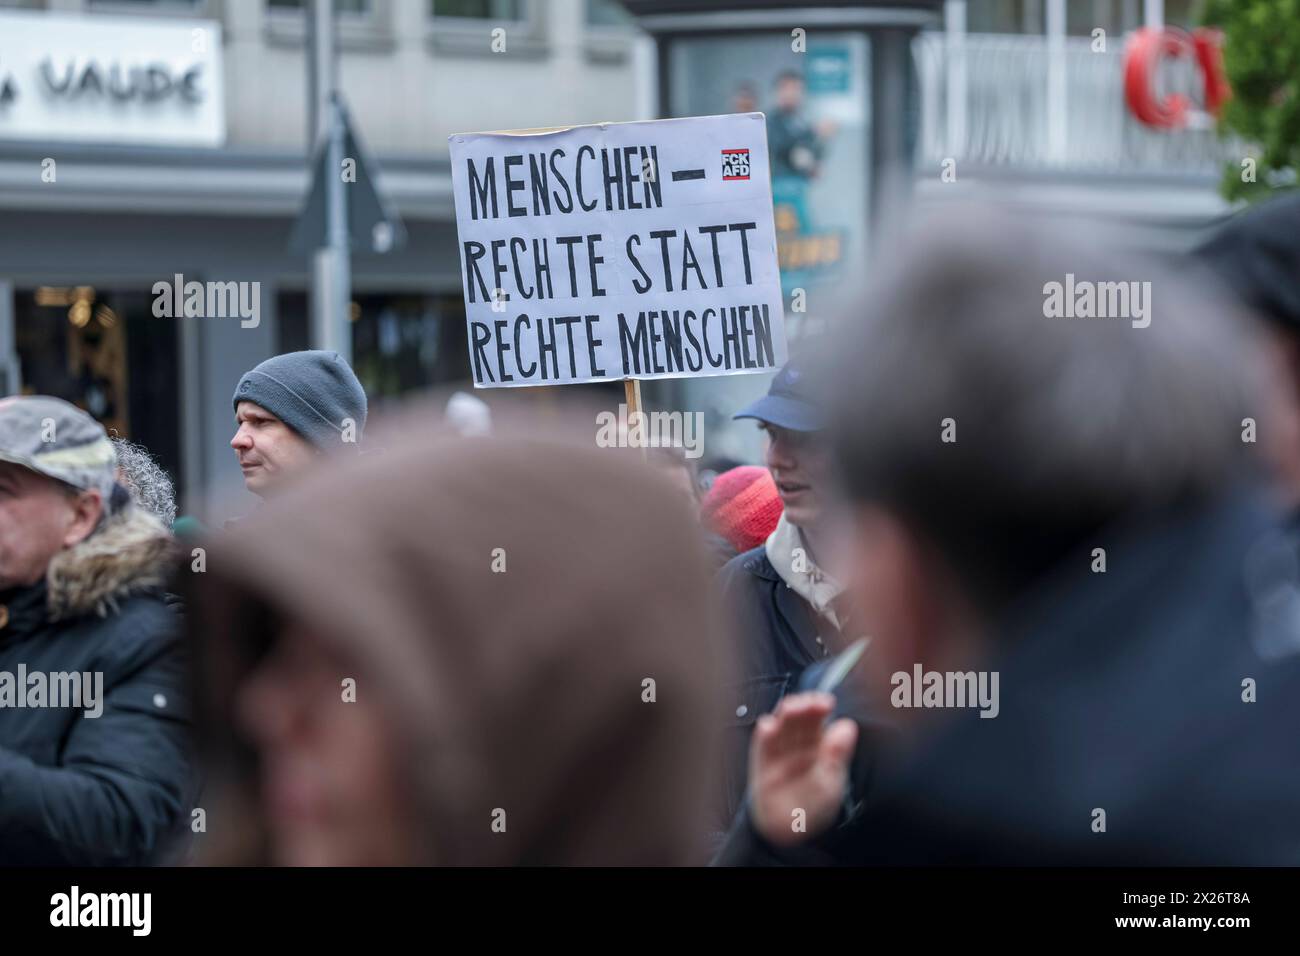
{"type": "Point", "coordinates": [787, 607]}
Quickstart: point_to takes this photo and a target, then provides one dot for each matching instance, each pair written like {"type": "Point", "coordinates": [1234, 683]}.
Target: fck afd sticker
{"type": "Point", "coordinates": [735, 164]}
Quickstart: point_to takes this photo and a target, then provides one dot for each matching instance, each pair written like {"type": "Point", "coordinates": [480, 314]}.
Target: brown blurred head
{"type": "Point", "coordinates": [487, 650]}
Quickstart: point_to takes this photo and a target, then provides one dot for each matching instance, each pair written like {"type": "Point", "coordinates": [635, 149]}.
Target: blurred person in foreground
{"type": "Point", "coordinates": [1093, 536]}
{"type": "Point", "coordinates": [471, 650]}
{"type": "Point", "coordinates": [150, 486]}
{"type": "Point", "coordinates": [1256, 254]}
{"type": "Point", "coordinates": [94, 749]}
{"type": "Point", "coordinates": [290, 410]}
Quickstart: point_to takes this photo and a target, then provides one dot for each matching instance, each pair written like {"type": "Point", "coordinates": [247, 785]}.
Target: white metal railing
{"type": "Point", "coordinates": [1030, 105]}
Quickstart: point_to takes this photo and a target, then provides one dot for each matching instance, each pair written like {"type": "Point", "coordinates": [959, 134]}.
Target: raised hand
{"type": "Point", "coordinates": [798, 768]}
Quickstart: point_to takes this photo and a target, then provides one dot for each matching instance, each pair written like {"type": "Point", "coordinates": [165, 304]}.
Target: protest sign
{"type": "Point", "coordinates": [618, 251]}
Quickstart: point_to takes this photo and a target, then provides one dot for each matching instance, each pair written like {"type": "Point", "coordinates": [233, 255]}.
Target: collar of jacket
{"type": "Point", "coordinates": [791, 606]}
{"type": "Point", "coordinates": [129, 553]}
{"type": "Point", "coordinates": [814, 585]}
{"type": "Point", "coordinates": [22, 610]}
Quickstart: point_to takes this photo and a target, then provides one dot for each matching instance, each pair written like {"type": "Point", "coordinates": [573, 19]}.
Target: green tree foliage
{"type": "Point", "coordinates": [1261, 54]}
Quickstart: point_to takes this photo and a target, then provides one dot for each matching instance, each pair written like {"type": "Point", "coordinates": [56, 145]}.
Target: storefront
{"type": "Point", "coordinates": [109, 185]}
{"type": "Point", "coordinates": [76, 296]}
{"type": "Point", "coordinates": [121, 167]}
{"type": "Point", "coordinates": [83, 342]}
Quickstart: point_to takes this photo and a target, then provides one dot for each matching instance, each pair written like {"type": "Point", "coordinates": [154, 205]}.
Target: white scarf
{"type": "Point", "coordinates": [810, 582]}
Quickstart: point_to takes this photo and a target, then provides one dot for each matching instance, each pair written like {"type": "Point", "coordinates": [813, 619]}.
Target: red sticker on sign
{"type": "Point", "coordinates": [735, 164]}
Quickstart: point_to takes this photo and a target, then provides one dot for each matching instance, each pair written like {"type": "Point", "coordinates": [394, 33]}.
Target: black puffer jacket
{"type": "Point", "coordinates": [106, 790]}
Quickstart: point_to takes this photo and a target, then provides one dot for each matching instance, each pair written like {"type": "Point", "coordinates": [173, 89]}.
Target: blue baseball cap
{"type": "Point", "coordinates": [787, 404]}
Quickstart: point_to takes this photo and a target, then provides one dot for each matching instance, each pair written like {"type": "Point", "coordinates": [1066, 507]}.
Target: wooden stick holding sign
{"type": "Point", "coordinates": [627, 251]}
{"type": "Point", "coordinates": [632, 398]}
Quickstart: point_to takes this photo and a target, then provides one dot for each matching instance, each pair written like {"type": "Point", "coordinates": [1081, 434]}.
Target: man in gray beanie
{"type": "Point", "coordinates": [289, 410]}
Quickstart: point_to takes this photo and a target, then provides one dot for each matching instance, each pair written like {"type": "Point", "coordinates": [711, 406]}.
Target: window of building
{"type": "Point", "coordinates": [1184, 13]}
{"type": "Point", "coordinates": [478, 9]}
{"type": "Point", "coordinates": [1004, 16]}
{"type": "Point", "coordinates": [362, 24]}
{"type": "Point", "coordinates": [611, 31]}
{"type": "Point", "coordinates": [105, 352]}
{"type": "Point", "coordinates": [607, 13]}
{"type": "Point", "coordinates": [340, 6]}
{"type": "Point", "coordinates": [167, 8]}
{"type": "Point", "coordinates": [400, 342]}
{"type": "Point", "coordinates": [486, 27]}
{"type": "Point", "coordinates": [1116, 17]}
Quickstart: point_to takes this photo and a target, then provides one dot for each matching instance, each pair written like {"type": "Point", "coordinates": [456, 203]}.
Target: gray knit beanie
{"type": "Point", "coordinates": [314, 392]}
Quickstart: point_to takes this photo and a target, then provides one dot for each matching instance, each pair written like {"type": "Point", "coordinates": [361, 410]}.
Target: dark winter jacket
{"type": "Point", "coordinates": [779, 636]}
{"type": "Point", "coordinates": [83, 790]}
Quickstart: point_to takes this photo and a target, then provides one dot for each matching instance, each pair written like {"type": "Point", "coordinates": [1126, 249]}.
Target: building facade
{"type": "Point", "coordinates": [1023, 104]}
{"type": "Point", "coordinates": [146, 142]}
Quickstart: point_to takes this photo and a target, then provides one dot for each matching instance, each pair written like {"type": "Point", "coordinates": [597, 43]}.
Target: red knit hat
{"type": "Point", "coordinates": [743, 506]}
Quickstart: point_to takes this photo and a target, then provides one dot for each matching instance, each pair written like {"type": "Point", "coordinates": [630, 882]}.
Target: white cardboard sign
{"type": "Point", "coordinates": [621, 250]}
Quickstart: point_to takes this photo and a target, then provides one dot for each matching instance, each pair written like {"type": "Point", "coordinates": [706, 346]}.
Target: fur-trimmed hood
{"type": "Point", "coordinates": [128, 553]}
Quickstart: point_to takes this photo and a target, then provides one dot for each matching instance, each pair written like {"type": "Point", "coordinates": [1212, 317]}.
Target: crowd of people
{"type": "Point", "coordinates": [1006, 588]}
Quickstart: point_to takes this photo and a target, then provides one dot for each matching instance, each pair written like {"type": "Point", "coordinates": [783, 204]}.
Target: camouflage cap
{"type": "Point", "coordinates": [58, 440]}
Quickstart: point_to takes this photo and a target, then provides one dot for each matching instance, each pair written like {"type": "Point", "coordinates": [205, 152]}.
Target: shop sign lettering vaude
{"type": "Point", "coordinates": [120, 81]}
{"type": "Point", "coordinates": [110, 79]}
